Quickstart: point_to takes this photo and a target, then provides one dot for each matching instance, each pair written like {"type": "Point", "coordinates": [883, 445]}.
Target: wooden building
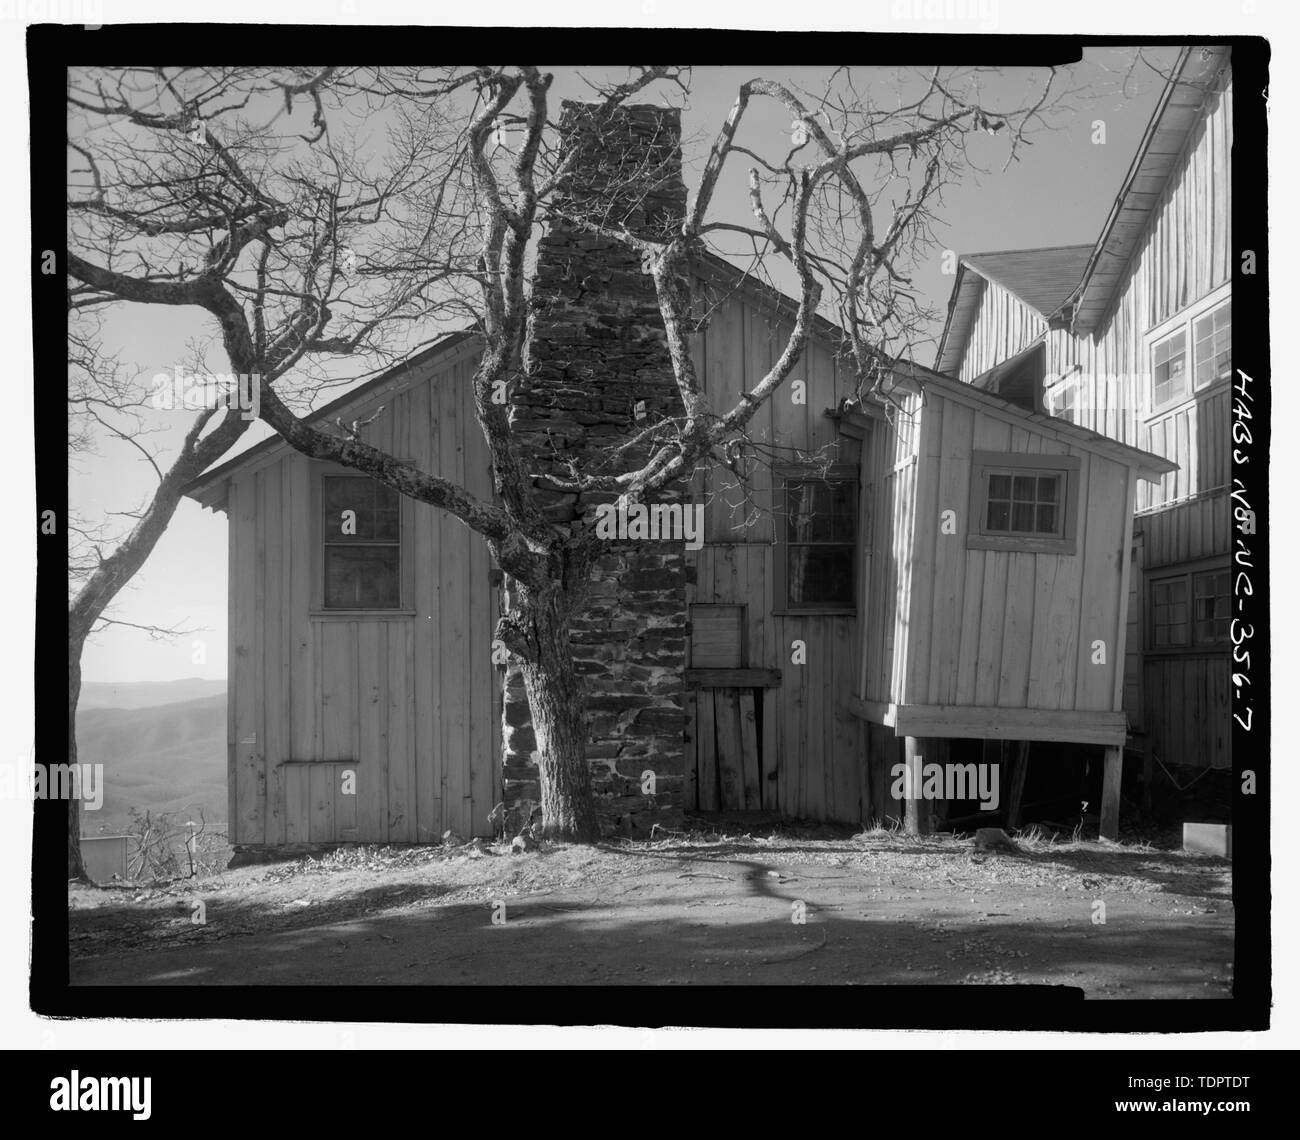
{"type": "Point", "coordinates": [1131, 337]}
{"type": "Point", "coordinates": [876, 578]}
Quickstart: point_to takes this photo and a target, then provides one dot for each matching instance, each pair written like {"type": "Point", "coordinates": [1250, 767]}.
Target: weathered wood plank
{"type": "Point", "coordinates": [1101, 613]}
{"type": "Point", "coordinates": [925, 539]}
{"type": "Point", "coordinates": [453, 576]}
{"type": "Point", "coordinates": [276, 698]}
{"type": "Point", "coordinates": [706, 746]}
{"type": "Point", "coordinates": [750, 776]}
{"type": "Point", "coordinates": [1010, 724]}
{"type": "Point", "coordinates": [297, 798]}
{"type": "Point", "coordinates": [250, 552]}
{"type": "Point", "coordinates": [427, 665]}
{"type": "Point", "coordinates": [950, 624]}
{"type": "Point", "coordinates": [370, 647]}
{"type": "Point", "coordinates": [733, 678]}
{"type": "Point", "coordinates": [730, 766]}
{"type": "Point", "coordinates": [1110, 792]}
{"type": "Point", "coordinates": [846, 735]}
{"type": "Point", "coordinates": [324, 785]}
{"type": "Point", "coordinates": [400, 692]}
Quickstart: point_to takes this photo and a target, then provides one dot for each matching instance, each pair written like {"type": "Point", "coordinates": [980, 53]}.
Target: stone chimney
{"type": "Point", "coordinates": [596, 372]}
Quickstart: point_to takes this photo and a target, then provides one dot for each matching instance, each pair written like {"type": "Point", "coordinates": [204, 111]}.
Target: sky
{"type": "Point", "coordinates": [1059, 193]}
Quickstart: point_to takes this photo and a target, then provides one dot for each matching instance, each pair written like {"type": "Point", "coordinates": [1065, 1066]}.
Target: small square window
{"type": "Point", "coordinates": [1169, 369]}
{"type": "Point", "coordinates": [1023, 501]}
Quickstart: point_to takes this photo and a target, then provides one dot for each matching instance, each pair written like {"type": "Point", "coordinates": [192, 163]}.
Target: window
{"type": "Point", "coordinates": [1191, 351]}
{"type": "Point", "coordinates": [1023, 502]}
{"type": "Point", "coordinates": [1213, 345]}
{"type": "Point", "coordinates": [1190, 610]}
{"type": "Point", "coordinates": [1063, 401]}
{"type": "Point", "coordinates": [361, 544]}
{"type": "Point", "coordinates": [1169, 369]}
{"type": "Point", "coordinates": [816, 564]}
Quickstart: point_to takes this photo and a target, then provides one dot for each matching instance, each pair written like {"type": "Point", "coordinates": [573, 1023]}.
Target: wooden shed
{"type": "Point", "coordinates": [995, 569]}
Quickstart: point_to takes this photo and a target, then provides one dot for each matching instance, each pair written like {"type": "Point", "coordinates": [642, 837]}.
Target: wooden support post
{"type": "Point", "coordinates": [1148, 771]}
{"type": "Point", "coordinates": [916, 814]}
{"type": "Point", "coordinates": [864, 779]}
{"type": "Point", "coordinates": [1019, 769]}
{"type": "Point", "coordinates": [1110, 793]}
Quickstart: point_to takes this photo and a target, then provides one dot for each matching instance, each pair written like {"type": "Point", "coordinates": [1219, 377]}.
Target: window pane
{"type": "Point", "coordinates": [361, 577]}
{"type": "Point", "coordinates": [1047, 489]}
{"type": "Point", "coordinates": [1168, 362]}
{"type": "Point", "coordinates": [1024, 488]}
{"type": "Point", "coordinates": [999, 486]}
{"type": "Point", "coordinates": [1211, 606]}
{"type": "Point", "coordinates": [375, 508]}
{"type": "Point", "coordinates": [821, 575]}
{"type": "Point", "coordinates": [808, 516]}
{"type": "Point", "coordinates": [818, 511]}
{"type": "Point", "coordinates": [843, 510]}
{"type": "Point", "coordinates": [1022, 516]}
{"type": "Point", "coordinates": [999, 515]}
{"type": "Point", "coordinates": [1046, 520]}
{"type": "Point", "coordinates": [1213, 335]}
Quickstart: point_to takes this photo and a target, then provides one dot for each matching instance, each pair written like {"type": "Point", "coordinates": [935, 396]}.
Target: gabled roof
{"type": "Point", "coordinates": [206, 488]}
{"type": "Point", "coordinates": [1177, 112]}
{"type": "Point", "coordinates": [918, 378]}
{"type": "Point", "coordinates": [1039, 278]}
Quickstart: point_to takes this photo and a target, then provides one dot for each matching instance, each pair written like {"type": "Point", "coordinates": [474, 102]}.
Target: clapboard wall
{"type": "Point", "coordinates": [405, 701]}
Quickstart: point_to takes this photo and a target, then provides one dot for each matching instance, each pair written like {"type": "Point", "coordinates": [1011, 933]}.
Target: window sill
{"type": "Point", "coordinates": [360, 615]}
{"type": "Point", "coordinates": [1020, 545]}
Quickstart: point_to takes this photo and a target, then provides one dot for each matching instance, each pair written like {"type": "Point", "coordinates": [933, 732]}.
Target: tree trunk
{"type": "Point", "coordinates": [557, 702]}
{"type": "Point", "coordinates": [76, 868]}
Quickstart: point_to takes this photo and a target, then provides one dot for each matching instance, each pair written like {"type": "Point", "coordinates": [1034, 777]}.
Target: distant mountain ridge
{"type": "Point", "coordinates": [166, 756]}
{"type": "Point", "coordinates": [146, 694]}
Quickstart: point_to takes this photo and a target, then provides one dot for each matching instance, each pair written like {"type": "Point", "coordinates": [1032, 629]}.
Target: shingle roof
{"type": "Point", "coordinates": [1041, 278]}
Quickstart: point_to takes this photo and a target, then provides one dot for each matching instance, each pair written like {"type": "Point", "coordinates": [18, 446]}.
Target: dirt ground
{"type": "Point", "coordinates": [876, 909]}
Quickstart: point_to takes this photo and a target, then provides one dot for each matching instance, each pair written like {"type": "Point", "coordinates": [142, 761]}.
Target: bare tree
{"type": "Point", "coordinates": [842, 204]}
{"type": "Point", "coordinates": [185, 189]}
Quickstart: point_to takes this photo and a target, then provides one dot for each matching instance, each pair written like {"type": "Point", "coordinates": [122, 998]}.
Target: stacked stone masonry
{"type": "Point", "coordinates": [596, 349]}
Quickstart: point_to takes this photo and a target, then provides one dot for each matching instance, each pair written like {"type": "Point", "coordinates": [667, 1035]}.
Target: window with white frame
{"type": "Point", "coordinates": [1169, 369]}
{"type": "Point", "coordinates": [1063, 399]}
{"type": "Point", "coordinates": [1191, 352]}
{"type": "Point", "coordinates": [1212, 345]}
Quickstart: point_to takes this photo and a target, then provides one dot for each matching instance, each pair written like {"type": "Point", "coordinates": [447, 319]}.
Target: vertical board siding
{"type": "Point", "coordinates": [993, 627]}
{"type": "Point", "coordinates": [1003, 326]}
{"type": "Point", "coordinates": [811, 745]}
{"type": "Point", "coordinates": [1184, 255]}
{"type": "Point", "coordinates": [316, 697]}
